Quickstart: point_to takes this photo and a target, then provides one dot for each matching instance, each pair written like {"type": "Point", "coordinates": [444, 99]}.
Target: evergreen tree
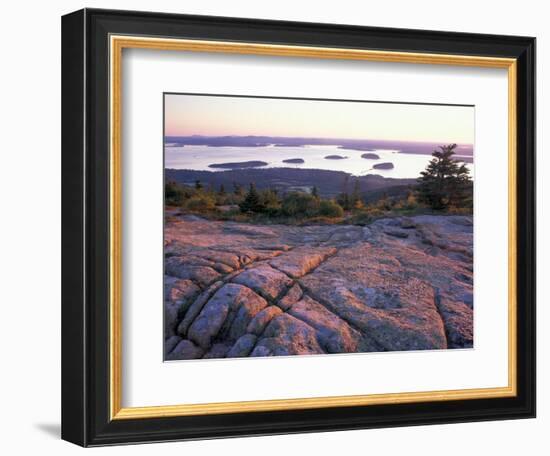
{"type": "Point", "coordinates": [252, 201]}
{"type": "Point", "coordinates": [173, 193]}
{"type": "Point", "coordinates": [222, 189]}
{"type": "Point", "coordinates": [445, 182]}
{"type": "Point", "coordinates": [344, 199]}
{"type": "Point", "coordinates": [315, 192]}
{"type": "Point", "coordinates": [238, 189]}
{"type": "Point", "coordinates": [355, 200]}
{"type": "Point", "coordinates": [198, 185]}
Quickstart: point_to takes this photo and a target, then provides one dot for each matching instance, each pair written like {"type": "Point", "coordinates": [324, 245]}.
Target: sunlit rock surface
{"type": "Point", "coordinates": [238, 290]}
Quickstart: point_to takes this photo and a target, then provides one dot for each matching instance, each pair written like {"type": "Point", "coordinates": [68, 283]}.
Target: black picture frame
{"type": "Point", "coordinates": [85, 228]}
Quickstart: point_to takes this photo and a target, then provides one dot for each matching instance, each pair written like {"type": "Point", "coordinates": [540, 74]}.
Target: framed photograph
{"type": "Point", "coordinates": [278, 227]}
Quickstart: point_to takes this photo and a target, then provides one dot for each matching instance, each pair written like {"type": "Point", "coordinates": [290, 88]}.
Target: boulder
{"type": "Point", "coordinates": [250, 230]}
{"type": "Point", "coordinates": [185, 350]}
{"type": "Point", "coordinates": [171, 312]}
{"type": "Point", "coordinates": [238, 299]}
{"type": "Point", "coordinates": [242, 347]}
{"type": "Point", "coordinates": [457, 317]}
{"type": "Point", "coordinates": [333, 332]}
{"type": "Point", "coordinates": [395, 232]}
{"type": "Point", "coordinates": [293, 295]}
{"type": "Point", "coordinates": [260, 351]}
{"type": "Point", "coordinates": [196, 308]}
{"type": "Point", "coordinates": [182, 291]}
{"type": "Point", "coordinates": [219, 256]}
{"type": "Point", "coordinates": [218, 350]}
{"type": "Point", "coordinates": [243, 309]}
{"type": "Point", "coordinates": [346, 235]}
{"type": "Point", "coordinates": [286, 335]}
{"type": "Point", "coordinates": [264, 280]}
{"type": "Point", "coordinates": [262, 318]}
{"type": "Point", "coordinates": [407, 223]}
{"type": "Point", "coordinates": [301, 260]}
{"type": "Point", "coordinates": [170, 343]}
{"type": "Point", "coordinates": [179, 295]}
{"type": "Point", "coordinates": [185, 269]}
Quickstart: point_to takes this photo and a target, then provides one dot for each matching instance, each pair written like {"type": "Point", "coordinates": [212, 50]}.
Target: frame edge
{"type": "Point", "coordinates": [73, 321]}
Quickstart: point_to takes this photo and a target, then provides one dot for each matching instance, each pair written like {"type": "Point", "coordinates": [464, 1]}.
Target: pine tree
{"type": "Point", "coordinates": [344, 198]}
{"type": "Point", "coordinates": [252, 201]}
{"type": "Point", "coordinates": [445, 182]}
{"type": "Point", "coordinates": [237, 189]}
{"type": "Point", "coordinates": [173, 193]}
{"type": "Point", "coordinates": [315, 192]}
{"type": "Point", "coordinates": [355, 200]}
{"type": "Point", "coordinates": [198, 185]}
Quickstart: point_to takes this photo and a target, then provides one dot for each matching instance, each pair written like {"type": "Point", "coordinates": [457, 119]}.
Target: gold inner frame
{"type": "Point", "coordinates": [117, 44]}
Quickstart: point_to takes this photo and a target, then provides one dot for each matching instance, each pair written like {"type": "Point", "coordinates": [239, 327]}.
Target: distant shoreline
{"type": "Point", "coordinates": [366, 145]}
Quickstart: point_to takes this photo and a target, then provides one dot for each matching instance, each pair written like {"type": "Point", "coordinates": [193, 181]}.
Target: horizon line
{"type": "Point", "coordinates": [318, 137]}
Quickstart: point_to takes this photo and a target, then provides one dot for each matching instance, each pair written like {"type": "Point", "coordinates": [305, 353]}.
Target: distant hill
{"type": "Point", "coordinates": [406, 147]}
{"type": "Point", "coordinates": [328, 183]}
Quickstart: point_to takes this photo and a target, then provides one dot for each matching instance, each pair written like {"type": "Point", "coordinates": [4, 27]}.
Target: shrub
{"type": "Point", "coordinates": [383, 204]}
{"type": "Point", "coordinates": [411, 201]}
{"type": "Point", "coordinates": [221, 199]}
{"type": "Point", "coordinates": [329, 208]}
{"type": "Point", "coordinates": [271, 203]}
{"type": "Point", "coordinates": [367, 215]}
{"type": "Point", "coordinates": [173, 194]}
{"type": "Point", "coordinates": [344, 200]}
{"type": "Point", "coordinates": [200, 203]}
{"type": "Point", "coordinates": [300, 204]}
{"type": "Point", "coordinates": [234, 215]}
{"type": "Point", "coordinates": [459, 210]}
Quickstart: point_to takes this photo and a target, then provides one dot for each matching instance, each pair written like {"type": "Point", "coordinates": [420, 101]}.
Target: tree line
{"type": "Point", "coordinates": [445, 186]}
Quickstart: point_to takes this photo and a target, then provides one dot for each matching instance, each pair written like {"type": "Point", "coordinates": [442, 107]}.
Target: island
{"type": "Point", "coordinates": [371, 156]}
{"type": "Point", "coordinates": [386, 165]}
{"type": "Point", "coordinates": [335, 157]}
{"type": "Point", "coordinates": [294, 160]}
{"type": "Point", "coordinates": [238, 165]}
{"type": "Point", "coordinates": [289, 145]}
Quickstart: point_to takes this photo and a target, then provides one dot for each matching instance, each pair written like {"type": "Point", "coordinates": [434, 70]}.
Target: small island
{"type": "Point", "coordinates": [370, 156]}
{"type": "Point", "coordinates": [335, 157]}
{"type": "Point", "coordinates": [356, 147]}
{"type": "Point", "coordinates": [294, 160]}
{"type": "Point", "coordinates": [289, 145]}
{"type": "Point", "coordinates": [238, 165]}
{"type": "Point", "coordinates": [386, 165]}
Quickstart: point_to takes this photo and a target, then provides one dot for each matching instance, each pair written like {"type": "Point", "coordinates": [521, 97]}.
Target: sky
{"type": "Point", "coordinates": [208, 115]}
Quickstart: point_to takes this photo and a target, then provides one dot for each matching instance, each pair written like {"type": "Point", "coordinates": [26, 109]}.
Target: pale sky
{"type": "Point", "coordinates": [187, 115]}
